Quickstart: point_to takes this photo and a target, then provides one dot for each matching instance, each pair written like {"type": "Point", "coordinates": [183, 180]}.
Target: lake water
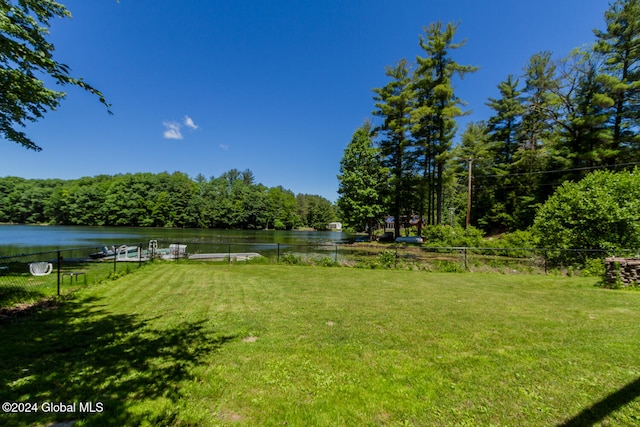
{"type": "Point", "coordinates": [21, 239]}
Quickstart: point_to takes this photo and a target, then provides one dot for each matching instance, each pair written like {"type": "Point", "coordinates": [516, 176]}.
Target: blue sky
{"type": "Point", "coordinates": [278, 87]}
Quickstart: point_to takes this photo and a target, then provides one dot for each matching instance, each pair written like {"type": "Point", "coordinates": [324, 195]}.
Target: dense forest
{"type": "Point", "coordinates": [557, 121]}
{"type": "Point", "coordinates": [232, 200]}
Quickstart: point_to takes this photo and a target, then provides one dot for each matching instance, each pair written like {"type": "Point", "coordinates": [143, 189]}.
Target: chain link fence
{"type": "Point", "coordinates": [29, 278]}
{"type": "Point", "coordinates": [407, 256]}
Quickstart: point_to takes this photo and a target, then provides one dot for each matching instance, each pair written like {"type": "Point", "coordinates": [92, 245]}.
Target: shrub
{"type": "Point", "coordinates": [448, 236]}
{"type": "Point", "coordinates": [599, 212]}
{"type": "Point", "coordinates": [327, 262]}
{"type": "Point", "coordinates": [387, 258]}
{"type": "Point", "coordinates": [290, 258]}
{"type": "Point", "coordinates": [593, 267]}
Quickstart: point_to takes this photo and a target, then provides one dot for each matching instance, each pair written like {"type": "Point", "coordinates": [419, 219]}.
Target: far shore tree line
{"type": "Point", "coordinates": [558, 121]}
{"type": "Point", "coordinates": [232, 200]}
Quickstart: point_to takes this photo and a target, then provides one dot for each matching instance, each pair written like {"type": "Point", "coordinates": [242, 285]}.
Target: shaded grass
{"type": "Point", "coordinates": [194, 344]}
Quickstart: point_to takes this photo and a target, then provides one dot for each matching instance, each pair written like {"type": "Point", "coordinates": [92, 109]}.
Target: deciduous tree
{"type": "Point", "coordinates": [26, 60]}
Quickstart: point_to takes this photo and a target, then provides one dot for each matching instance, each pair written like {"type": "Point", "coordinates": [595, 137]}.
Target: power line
{"type": "Point", "coordinates": [558, 170]}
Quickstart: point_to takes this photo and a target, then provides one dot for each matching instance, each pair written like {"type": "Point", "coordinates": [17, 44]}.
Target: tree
{"type": "Point", "coordinates": [541, 87]}
{"type": "Point", "coordinates": [584, 137]}
{"type": "Point", "coordinates": [620, 44]}
{"type": "Point", "coordinates": [394, 103]}
{"type": "Point", "coordinates": [599, 212]}
{"type": "Point", "coordinates": [362, 181]}
{"type": "Point", "coordinates": [26, 57]}
{"type": "Point", "coordinates": [538, 131]}
{"type": "Point", "coordinates": [504, 131]}
{"type": "Point", "coordinates": [475, 153]}
{"type": "Point", "coordinates": [315, 211]}
{"type": "Point", "coordinates": [437, 106]}
{"type": "Point", "coordinates": [504, 126]}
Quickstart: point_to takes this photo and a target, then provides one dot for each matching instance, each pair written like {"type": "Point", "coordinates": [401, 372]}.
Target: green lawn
{"type": "Point", "coordinates": [202, 344]}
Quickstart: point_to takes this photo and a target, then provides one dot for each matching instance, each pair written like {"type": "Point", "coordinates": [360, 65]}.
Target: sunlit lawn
{"type": "Point", "coordinates": [213, 344]}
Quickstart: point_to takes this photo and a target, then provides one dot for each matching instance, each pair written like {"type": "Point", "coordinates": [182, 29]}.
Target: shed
{"type": "Point", "coordinates": [335, 226]}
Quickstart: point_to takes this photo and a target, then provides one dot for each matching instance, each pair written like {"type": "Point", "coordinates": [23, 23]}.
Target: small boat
{"type": "Point", "coordinates": [102, 254]}
{"type": "Point", "coordinates": [409, 239]}
{"type": "Point", "coordinates": [110, 253]}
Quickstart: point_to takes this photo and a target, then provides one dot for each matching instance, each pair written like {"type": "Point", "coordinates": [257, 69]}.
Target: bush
{"type": "Point", "coordinates": [599, 212]}
{"type": "Point", "coordinates": [516, 239]}
{"type": "Point", "coordinates": [448, 236]}
{"type": "Point", "coordinates": [387, 258]}
{"type": "Point", "coordinates": [290, 258]}
{"type": "Point", "coordinates": [593, 267]}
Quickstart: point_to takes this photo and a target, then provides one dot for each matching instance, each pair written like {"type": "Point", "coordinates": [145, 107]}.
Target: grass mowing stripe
{"type": "Point", "coordinates": [212, 344]}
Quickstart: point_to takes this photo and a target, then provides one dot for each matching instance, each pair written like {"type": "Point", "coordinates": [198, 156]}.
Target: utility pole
{"type": "Point", "coordinates": [469, 194]}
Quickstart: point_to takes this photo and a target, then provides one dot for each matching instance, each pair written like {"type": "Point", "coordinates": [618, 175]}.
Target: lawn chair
{"type": "Point", "coordinates": [40, 268]}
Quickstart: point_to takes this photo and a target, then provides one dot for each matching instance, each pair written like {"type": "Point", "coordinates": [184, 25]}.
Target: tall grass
{"type": "Point", "coordinates": [195, 344]}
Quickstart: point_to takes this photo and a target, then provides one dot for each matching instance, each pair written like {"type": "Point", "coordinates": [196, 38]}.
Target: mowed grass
{"type": "Point", "coordinates": [249, 345]}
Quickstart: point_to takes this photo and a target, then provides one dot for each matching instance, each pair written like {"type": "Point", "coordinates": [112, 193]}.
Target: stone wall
{"type": "Point", "coordinates": [627, 270]}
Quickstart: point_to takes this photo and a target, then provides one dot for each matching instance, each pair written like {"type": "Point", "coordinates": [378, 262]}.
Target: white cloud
{"type": "Point", "coordinates": [188, 122]}
{"type": "Point", "coordinates": [172, 130]}
{"type": "Point", "coordinates": [224, 146]}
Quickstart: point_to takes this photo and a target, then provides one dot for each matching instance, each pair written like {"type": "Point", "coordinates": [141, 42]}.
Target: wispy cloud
{"type": "Point", "coordinates": [224, 146]}
{"type": "Point", "coordinates": [172, 130]}
{"type": "Point", "coordinates": [188, 122]}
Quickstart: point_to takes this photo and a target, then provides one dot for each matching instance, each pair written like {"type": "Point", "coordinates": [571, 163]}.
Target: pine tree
{"type": "Point", "coordinates": [504, 126]}
{"type": "Point", "coordinates": [584, 138]}
{"type": "Point", "coordinates": [437, 106]}
{"type": "Point", "coordinates": [620, 44]}
{"type": "Point", "coordinates": [394, 103]}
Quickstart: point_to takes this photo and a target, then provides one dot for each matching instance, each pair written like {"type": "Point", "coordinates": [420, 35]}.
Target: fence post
{"type": "Point", "coordinates": [278, 253]}
{"type": "Point", "coordinates": [140, 255]}
{"type": "Point", "coordinates": [466, 264]}
{"type": "Point", "coordinates": [336, 259]}
{"type": "Point", "coordinates": [59, 262]}
{"type": "Point", "coordinates": [395, 264]}
{"type": "Point", "coordinates": [115, 259]}
{"type": "Point", "coordinates": [229, 252]}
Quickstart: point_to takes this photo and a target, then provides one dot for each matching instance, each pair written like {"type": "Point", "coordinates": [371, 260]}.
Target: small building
{"type": "Point", "coordinates": [335, 226]}
{"type": "Point", "coordinates": [412, 221]}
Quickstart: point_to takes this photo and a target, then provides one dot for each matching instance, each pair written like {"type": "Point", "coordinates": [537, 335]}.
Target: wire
{"type": "Point", "coordinates": [558, 170]}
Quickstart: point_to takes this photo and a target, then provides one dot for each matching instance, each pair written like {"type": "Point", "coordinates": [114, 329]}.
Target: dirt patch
{"type": "Point", "coordinates": [250, 339]}
{"type": "Point", "coordinates": [230, 416]}
{"type": "Point", "coordinates": [8, 314]}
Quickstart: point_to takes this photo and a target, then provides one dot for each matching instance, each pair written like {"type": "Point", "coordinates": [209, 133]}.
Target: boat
{"type": "Point", "coordinates": [409, 239]}
{"type": "Point", "coordinates": [105, 252]}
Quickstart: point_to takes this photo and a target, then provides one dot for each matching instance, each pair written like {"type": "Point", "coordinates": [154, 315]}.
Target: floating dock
{"type": "Point", "coordinates": [232, 256]}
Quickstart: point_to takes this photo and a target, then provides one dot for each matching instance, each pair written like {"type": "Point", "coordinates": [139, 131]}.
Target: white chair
{"type": "Point", "coordinates": [40, 268]}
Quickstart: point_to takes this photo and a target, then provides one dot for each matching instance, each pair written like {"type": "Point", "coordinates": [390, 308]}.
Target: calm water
{"type": "Point", "coordinates": [19, 239]}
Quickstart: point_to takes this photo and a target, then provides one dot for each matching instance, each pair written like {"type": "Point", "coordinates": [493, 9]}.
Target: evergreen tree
{"type": "Point", "coordinates": [620, 44]}
{"type": "Point", "coordinates": [362, 182]}
{"type": "Point", "coordinates": [503, 129]}
{"type": "Point", "coordinates": [475, 155]}
{"type": "Point", "coordinates": [394, 104]}
{"type": "Point", "coordinates": [536, 140]}
{"type": "Point", "coordinates": [504, 126]}
{"type": "Point", "coordinates": [584, 137]}
{"type": "Point", "coordinates": [437, 106]}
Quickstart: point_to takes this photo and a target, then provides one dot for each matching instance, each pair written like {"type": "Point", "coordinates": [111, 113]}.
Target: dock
{"type": "Point", "coordinates": [233, 256]}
